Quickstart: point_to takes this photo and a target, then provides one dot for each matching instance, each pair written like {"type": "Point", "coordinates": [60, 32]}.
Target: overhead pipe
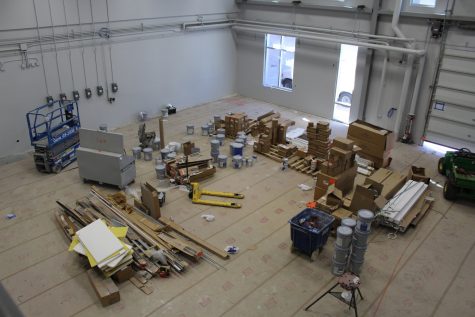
{"type": "Point", "coordinates": [408, 73]}
{"type": "Point", "coordinates": [331, 40]}
{"type": "Point", "coordinates": [381, 86]}
{"type": "Point", "coordinates": [325, 30]}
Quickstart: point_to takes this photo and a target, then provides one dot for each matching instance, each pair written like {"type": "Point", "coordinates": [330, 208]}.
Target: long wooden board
{"type": "Point", "coordinates": [221, 253]}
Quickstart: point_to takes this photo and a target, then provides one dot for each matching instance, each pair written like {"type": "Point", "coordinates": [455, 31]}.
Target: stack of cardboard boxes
{"type": "Point", "coordinates": [375, 142]}
{"type": "Point", "coordinates": [318, 139]}
{"type": "Point", "coordinates": [262, 145]}
{"type": "Point", "coordinates": [234, 123]}
{"type": "Point", "coordinates": [339, 169]}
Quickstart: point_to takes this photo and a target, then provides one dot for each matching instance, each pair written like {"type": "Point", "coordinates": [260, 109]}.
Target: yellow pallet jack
{"type": "Point", "coordinates": [196, 193]}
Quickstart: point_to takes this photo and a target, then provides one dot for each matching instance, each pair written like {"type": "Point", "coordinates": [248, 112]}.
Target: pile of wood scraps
{"type": "Point", "coordinates": [193, 169]}
{"type": "Point", "coordinates": [121, 242]}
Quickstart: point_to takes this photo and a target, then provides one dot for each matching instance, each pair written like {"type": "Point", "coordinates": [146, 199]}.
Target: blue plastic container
{"type": "Point", "coordinates": [309, 230]}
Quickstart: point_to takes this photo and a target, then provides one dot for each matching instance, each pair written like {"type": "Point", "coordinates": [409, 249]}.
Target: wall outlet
{"type": "Point", "coordinates": [88, 93]}
{"type": "Point", "coordinates": [76, 95]}
{"type": "Point", "coordinates": [99, 90]}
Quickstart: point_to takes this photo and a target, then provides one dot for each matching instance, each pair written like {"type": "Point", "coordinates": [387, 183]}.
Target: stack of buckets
{"type": "Point", "coordinates": [215, 150]}
{"type": "Point", "coordinates": [351, 243]}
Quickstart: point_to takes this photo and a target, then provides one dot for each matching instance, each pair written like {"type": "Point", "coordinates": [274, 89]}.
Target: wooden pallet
{"type": "Point", "coordinates": [295, 162]}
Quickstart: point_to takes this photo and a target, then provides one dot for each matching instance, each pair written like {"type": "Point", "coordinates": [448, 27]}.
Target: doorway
{"type": "Point", "coordinates": [345, 82]}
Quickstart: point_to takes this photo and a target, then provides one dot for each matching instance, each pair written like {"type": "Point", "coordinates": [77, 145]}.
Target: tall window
{"type": "Point", "coordinates": [423, 3]}
{"type": "Point", "coordinates": [279, 61]}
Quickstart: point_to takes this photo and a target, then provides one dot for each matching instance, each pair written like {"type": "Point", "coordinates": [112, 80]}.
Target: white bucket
{"type": "Point", "coordinates": [365, 218]}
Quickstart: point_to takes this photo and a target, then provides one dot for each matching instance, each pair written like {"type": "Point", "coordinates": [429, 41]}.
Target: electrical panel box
{"type": "Point", "coordinates": [99, 90]}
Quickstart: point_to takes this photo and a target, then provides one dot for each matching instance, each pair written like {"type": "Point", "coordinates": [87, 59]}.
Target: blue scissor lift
{"type": "Point", "coordinates": [54, 133]}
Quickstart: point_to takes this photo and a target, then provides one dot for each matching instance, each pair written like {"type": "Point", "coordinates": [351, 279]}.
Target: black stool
{"type": "Point", "coordinates": [349, 282]}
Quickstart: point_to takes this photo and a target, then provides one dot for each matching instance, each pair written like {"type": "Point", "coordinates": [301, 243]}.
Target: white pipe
{"type": "Point", "coordinates": [332, 40]}
{"type": "Point", "coordinates": [417, 85]}
{"type": "Point", "coordinates": [331, 31]}
{"type": "Point", "coordinates": [381, 86]}
{"type": "Point", "coordinates": [395, 21]}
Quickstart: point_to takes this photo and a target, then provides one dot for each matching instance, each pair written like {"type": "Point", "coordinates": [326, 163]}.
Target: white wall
{"type": "Point", "coordinates": [315, 76]}
{"type": "Point", "coordinates": [182, 69]}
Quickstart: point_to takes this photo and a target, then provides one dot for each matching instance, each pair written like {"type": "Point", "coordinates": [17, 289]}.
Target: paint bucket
{"type": "Point", "coordinates": [239, 140]}
{"type": "Point", "coordinates": [161, 171]}
{"type": "Point", "coordinates": [211, 127]}
{"type": "Point", "coordinates": [171, 156]}
{"type": "Point", "coordinates": [341, 254]}
{"type": "Point", "coordinates": [221, 131]}
{"type": "Point", "coordinates": [360, 238]}
{"type": "Point", "coordinates": [338, 268]}
{"type": "Point", "coordinates": [190, 129]}
{"type": "Point", "coordinates": [236, 149]}
{"type": "Point", "coordinates": [214, 148]}
{"type": "Point", "coordinates": [355, 266]}
{"type": "Point", "coordinates": [237, 161]}
{"type": "Point", "coordinates": [205, 130]}
{"type": "Point", "coordinates": [147, 154]}
{"type": "Point", "coordinates": [164, 152]}
{"type": "Point", "coordinates": [349, 222]}
{"type": "Point", "coordinates": [174, 146]}
{"type": "Point", "coordinates": [158, 160]}
{"type": "Point", "coordinates": [220, 138]}
{"type": "Point", "coordinates": [137, 152]}
{"type": "Point", "coordinates": [215, 158]}
{"type": "Point", "coordinates": [343, 237]}
{"type": "Point", "coordinates": [156, 144]}
{"type": "Point", "coordinates": [143, 116]}
{"type": "Point", "coordinates": [103, 127]}
{"type": "Point", "coordinates": [164, 112]}
{"type": "Point", "coordinates": [217, 121]}
{"type": "Point", "coordinates": [313, 164]}
{"type": "Point", "coordinates": [357, 252]}
{"type": "Point", "coordinates": [365, 217]}
{"type": "Point", "coordinates": [222, 161]}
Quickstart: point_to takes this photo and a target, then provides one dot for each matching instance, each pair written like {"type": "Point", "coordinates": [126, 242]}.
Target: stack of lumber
{"type": "Point", "coordinates": [318, 139]}
{"type": "Point", "coordinates": [235, 123]}
{"type": "Point", "coordinates": [121, 242]}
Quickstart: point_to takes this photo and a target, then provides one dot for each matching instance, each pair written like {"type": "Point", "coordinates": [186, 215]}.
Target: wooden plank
{"type": "Point", "coordinates": [221, 253]}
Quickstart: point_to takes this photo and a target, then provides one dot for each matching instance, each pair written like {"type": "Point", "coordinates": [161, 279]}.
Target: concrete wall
{"type": "Point", "coordinates": [151, 69]}
{"type": "Point", "coordinates": [316, 64]}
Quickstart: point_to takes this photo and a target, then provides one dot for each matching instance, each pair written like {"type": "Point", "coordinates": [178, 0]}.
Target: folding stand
{"type": "Point", "coordinates": [349, 282]}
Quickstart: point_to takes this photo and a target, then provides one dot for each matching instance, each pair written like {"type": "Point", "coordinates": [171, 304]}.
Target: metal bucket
{"type": "Point", "coordinates": [161, 171]}
{"type": "Point", "coordinates": [236, 149]}
{"type": "Point", "coordinates": [365, 218]}
{"type": "Point", "coordinates": [164, 152]}
{"type": "Point", "coordinates": [237, 161]}
{"type": "Point", "coordinates": [355, 266]}
{"type": "Point", "coordinates": [343, 237]}
{"type": "Point", "coordinates": [360, 238]}
{"type": "Point", "coordinates": [222, 161]}
{"type": "Point", "coordinates": [220, 138]}
{"type": "Point", "coordinates": [341, 254]}
{"type": "Point", "coordinates": [190, 129]}
{"type": "Point", "coordinates": [147, 154]}
{"type": "Point", "coordinates": [358, 253]}
{"type": "Point", "coordinates": [349, 222]}
{"type": "Point", "coordinates": [205, 130]}
{"type": "Point", "coordinates": [211, 127]}
{"type": "Point", "coordinates": [137, 152]}
{"type": "Point", "coordinates": [338, 268]}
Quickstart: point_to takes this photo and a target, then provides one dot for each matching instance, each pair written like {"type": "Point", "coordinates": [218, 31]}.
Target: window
{"type": "Point", "coordinates": [423, 3]}
{"type": "Point", "coordinates": [279, 61]}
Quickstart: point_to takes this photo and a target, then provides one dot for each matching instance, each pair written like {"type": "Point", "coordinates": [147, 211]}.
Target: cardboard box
{"type": "Point", "coordinates": [418, 174]}
{"type": "Point", "coordinates": [379, 137]}
{"type": "Point", "coordinates": [378, 161]}
{"type": "Point", "coordinates": [343, 181]}
{"type": "Point", "coordinates": [105, 288]}
{"type": "Point", "coordinates": [366, 197]}
{"type": "Point", "coordinates": [388, 181]}
{"type": "Point", "coordinates": [123, 274]}
{"type": "Point", "coordinates": [339, 214]}
{"type": "Point", "coordinates": [343, 143]}
{"type": "Point", "coordinates": [319, 192]}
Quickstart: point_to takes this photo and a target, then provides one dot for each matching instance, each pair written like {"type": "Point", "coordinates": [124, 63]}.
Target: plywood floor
{"type": "Point", "coordinates": [425, 272]}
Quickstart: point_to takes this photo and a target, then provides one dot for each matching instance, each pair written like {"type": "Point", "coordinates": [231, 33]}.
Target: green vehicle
{"type": "Point", "coordinates": [459, 167]}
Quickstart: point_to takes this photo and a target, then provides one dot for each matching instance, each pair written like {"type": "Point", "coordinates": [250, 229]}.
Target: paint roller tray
{"type": "Point", "coordinates": [309, 230]}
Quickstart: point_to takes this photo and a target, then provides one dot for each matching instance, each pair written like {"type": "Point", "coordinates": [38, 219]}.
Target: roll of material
{"type": "Point", "coordinates": [137, 152]}
{"type": "Point", "coordinates": [236, 149]}
{"type": "Point", "coordinates": [222, 161]}
{"type": "Point", "coordinates": [205, 130]}
{"type": "Point", "coordinates": [237, 161]}
{"type": "Point", "coordinates": [164, 152]}
{"type": "Point", "coordinates": [190, 129]}
{"type": "Point", "coordinates": [161, 171]}
{"type": "Point", "coordinates": [147, 154]}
